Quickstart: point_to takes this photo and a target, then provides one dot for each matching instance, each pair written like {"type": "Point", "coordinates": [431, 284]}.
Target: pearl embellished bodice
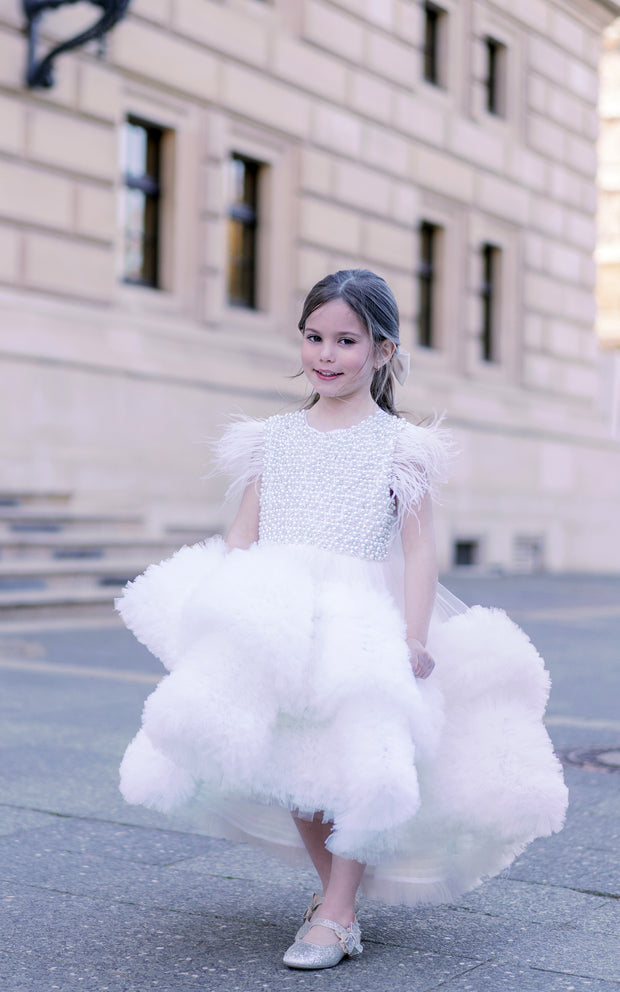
{"type": "Point", "coordinates": [329, 489]}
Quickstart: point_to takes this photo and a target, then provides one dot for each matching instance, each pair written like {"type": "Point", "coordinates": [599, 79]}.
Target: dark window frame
{"type": "Point", "coordinates": [495, 83]}
{"type": "Point", "coordinates": [432, 49]}
{"type": "Point", "coordinates": [244, 219]}
{"type": "Point", "coordinates": [429, 235]}
{"type": "Point", "coordinates": [489, 294]}
{"type": "Point", "coordinates": [149, 184]}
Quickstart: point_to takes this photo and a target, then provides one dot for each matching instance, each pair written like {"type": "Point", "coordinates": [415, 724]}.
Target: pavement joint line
{"type": "Point", "coordinates": [585, 722]}
{"type": "Point", "coordinates": [567, 612]}
{"type": "Point", "coordinates": [93, 672]}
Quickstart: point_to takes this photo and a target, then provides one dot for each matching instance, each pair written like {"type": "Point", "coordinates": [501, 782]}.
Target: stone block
{"type": "Point", "coordinates": [534, 251]}
{"type": "Point", "coordinates": [386, 150]}
{"type": "Point", "coordinates": [225, 29]}
{"type": "Point", "coordinates": [476, 144]}
{"type": "Point", "coordinates": [564, 185]}
{"type": "Point", "coordinates": [262, 100]}
{"type": "Point", "coordinates": [442, 173]}
{"type": "Point", "coordinates": [99, 92]}
{"type": "Point", "coordinates": [565, 108]}
{"type": "Point", "coordinates": [393, 59]}
{"type": "Point", "coordinates": [329, 226]}
{"type": "Point", "coordinates": [581, 155]}
{"type": "Point", "coordinates": [152, 10]}
{"type": "Point", "coordinates": [579, 304]}
{"type": "Point", "coordinates": [564, 262]}
{"type": "Point", "coordinates": [11, 60]}
{"type": "Point", "coordinates": [405, 203]}
{"type": "Point", "coordinates": [581, 381]}
{"type": "Point", "coordinates": [316, 171]}
{"type": "Point", "coordinates": [422, 118]}
{"type": "Point", "coordinates": [502, 198]}
{"type": "Point", "coordinates": [534, 13]}
{"type": "Point", "coordinates": [34, 196]}
{"type": "Point", "coordinates": [543, 294]}
{"type": "Point", "coordinates": [539, 371]}
{"type": "Point", "coordinates": [71, 268]}
{"type": "Point", "coordinates": [370, 96]}
{"type": "Point", "coordinates": [526, 167]}
{"type": "Point", "coordinates": [12, 125]}
{"type": "Point", "coordinates": [314, 71]}
{"type": "Point", "coordinates": [338, 130]}
{"type": "Point", "coordinates": [582, 80]}
{"type": "Point", "coordinates": [537, 93]}
{"type": "Point", "coordinates": [334, 30]}
{"type": "Point", "coordinates": [312, 265]}
{"type": "Point", "coordinates": [389, 244]}
{"type": "Point", "coordinates": [564, 338]}
{"type": "Point", "coordinates": [547, 138]}
{"type": "Point", "coordinates": [567, 32]}
{"type": "Point", "coordinates": [547, 59]}
{"type": "Point", "coordinates": [362, 187]}
{"type": "Point", "coordinates": [547, 216]}
{"type": "Point", "coordinates": [380, 13]}
{"type": "Point", "coordinates": [155, 55]}
{"type": "Point", "coordinates": [580, 229]}
{"type": "Point", "coordinates": [72, 143]}
{"type": "Point", "coordinates": [410, 21]}
{"type": "Point", "coordinates": [9, 254]}
{"type": "Point", "coordinates": [96, 211]}
{"type": "Point", "coordinates": [533, 330]}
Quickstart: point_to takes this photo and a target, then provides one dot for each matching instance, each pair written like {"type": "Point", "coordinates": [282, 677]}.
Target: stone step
{"type": "Point", "coordinates": [37, 606]}
{"type": "Point", "coordinates": [65, 573]}
{"type": "Point", "coordinates": [39, 500]}
{"type": "Point", "coordinates": [88, 544]}
{"type": "Point", "coordinates": [27, 519]}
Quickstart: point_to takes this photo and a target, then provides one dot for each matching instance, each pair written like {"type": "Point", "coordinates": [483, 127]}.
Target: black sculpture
{"type": "Point", "coordinates": [40, 73]}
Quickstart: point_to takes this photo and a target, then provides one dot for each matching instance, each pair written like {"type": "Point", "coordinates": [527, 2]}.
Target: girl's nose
{"type": "Point", "coordinates": [326, 352]}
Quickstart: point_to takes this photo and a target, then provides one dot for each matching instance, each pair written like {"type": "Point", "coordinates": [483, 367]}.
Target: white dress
{"type": "Point", "coordinates": [290, 686]}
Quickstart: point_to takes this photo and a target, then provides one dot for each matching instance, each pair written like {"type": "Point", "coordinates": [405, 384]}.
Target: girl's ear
{"type": "Point", "coordinates": [384, 352]}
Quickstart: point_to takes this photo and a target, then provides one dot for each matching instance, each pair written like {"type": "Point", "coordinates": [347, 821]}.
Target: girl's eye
{"type": "Point", "coordinates": [347, 340]}
{"type": "Point", "coordinates": [312, 337]}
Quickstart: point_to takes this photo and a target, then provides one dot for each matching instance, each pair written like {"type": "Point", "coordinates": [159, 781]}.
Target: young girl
{"type": "Point", "coordinates": [323, 691]}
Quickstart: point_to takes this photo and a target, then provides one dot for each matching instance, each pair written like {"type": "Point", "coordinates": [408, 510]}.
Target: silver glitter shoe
{"type": "Point", "coordinates": [303, 954]}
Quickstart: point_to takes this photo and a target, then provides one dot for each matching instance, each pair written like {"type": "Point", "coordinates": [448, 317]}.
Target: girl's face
{"type": "Point", "coordinates": [337, 354]}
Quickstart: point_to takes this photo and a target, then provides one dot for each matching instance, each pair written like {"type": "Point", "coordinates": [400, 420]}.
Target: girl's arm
{"type": "Point", "coordinates": [244, 528]}
{"type": "Point", "coordinates": [418, 539]}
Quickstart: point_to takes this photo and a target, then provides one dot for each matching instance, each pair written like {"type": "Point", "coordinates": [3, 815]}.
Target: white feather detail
{"type": "Point", "coordinates": [239, 454]}
{"type": "Point", "coordinates": [421, 459]}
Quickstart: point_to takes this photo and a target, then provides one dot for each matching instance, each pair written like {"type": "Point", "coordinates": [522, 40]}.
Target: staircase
{"type": "Point", "coordinates": [58, 565]}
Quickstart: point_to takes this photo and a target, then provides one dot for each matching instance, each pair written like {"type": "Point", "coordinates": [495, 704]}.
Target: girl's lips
{"type": "Point", "coordinates": [327, 375]}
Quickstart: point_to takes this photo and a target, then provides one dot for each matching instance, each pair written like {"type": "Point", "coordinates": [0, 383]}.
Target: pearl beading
{"type": "Point", "coordinates": [329, 489]}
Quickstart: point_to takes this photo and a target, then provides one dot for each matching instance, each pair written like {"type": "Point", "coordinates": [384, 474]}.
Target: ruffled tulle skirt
{"type": "Point", "coordinates": [290, 689]}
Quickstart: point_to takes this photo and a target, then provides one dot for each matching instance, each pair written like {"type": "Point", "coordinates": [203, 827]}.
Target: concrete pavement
{"type": "Point", "coordinates": [101, 896]}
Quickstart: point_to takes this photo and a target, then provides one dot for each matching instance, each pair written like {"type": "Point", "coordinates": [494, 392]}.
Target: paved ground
{"type": "Point", "coordinates": [101, 896]}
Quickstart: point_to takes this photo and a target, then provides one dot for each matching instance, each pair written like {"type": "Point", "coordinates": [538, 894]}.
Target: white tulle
{"type": "Point", "coordinates": [290, 689]}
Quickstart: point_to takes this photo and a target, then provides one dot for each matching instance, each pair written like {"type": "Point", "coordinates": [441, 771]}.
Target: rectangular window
{"type": "Point", "coordinates": [495, 82]}
{"type": "Point", "coordinates": [243, 220]}
{"type": "Point", "coordinates": [489, 294]}
{"type": "Point", "coordinates": [434, 23]}
{"type": "Point", "coordinates": [466, 552]}
{"type": "Point", "coordinates": [141, 160]}
{"type": "Point", "coordinates": [427, 285]}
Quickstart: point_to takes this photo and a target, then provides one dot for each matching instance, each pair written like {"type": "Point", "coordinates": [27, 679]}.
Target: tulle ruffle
{"type": "Point", "coordinates": [290, 689]}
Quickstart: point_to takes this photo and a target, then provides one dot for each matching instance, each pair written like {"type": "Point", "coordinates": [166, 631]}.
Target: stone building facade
{"type": "Point", "coordinates": [164, 208]}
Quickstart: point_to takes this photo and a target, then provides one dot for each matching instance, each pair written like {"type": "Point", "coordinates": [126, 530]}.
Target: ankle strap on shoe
{"type": "Point", "coordinates": [349, 938]}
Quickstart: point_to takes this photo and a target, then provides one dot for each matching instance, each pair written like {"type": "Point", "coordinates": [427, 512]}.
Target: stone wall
{"type": "Point", "coordinates": [107, 390]}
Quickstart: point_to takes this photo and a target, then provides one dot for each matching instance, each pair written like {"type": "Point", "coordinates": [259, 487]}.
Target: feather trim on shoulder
{"type": "Point", "coordinates": [239, 454]}
{"type": "Point", "coordinates": [422, 455]}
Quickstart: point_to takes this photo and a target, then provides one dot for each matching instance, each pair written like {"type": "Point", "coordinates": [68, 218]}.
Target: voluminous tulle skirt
{"type": "Point", "coordinates": [290, 688]}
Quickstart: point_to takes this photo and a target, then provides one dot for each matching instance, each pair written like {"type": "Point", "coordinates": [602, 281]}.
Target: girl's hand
{"type": "Point", "coordinates": [421, 662]}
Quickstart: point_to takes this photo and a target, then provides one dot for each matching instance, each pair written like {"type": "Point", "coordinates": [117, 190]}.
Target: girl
{"type": "Point", "coordinates": [317, 670]}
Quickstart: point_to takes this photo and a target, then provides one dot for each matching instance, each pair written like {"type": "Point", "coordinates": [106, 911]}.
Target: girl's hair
{"type": "Point", "coordinates": [372, 300]}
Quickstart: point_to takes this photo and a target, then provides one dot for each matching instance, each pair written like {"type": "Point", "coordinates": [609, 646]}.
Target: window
{"type": "Point", "coordinates": [495, 82]}
{"type": "Point", "coordinates": [427, 285]}
{"type": "Point", "coordinates": [489, 293]}
{"type": "Point", "coordinates": [466, 552]}
{"type": "Point", "coordinates": [434, 18]}
{"type": "Point", "coordinates": [141, 155]}
{"type": "Point", "coordinates": [243, 219]}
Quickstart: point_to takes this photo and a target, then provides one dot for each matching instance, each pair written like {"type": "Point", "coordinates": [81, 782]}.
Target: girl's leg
{"type": "Point", "coordinates": [339, 901]}
{"type": "Point", "coordinates": [314, 833]}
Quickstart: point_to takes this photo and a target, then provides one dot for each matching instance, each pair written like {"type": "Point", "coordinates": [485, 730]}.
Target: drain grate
{"type": "Point", "coordinates": [600, 759]}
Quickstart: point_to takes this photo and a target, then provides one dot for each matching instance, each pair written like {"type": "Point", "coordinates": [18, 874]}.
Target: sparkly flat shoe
{"type": "Point", "coordinates": [303, 954]}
